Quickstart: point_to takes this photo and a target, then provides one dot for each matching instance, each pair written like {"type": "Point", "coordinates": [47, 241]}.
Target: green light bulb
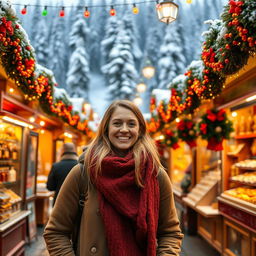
{"type": "Point", "coordinates": [44, 12]}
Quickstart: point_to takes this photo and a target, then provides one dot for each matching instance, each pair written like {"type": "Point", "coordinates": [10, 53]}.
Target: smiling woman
{"type": "Point", "coordinates": [123, 130]}
{"type": "Point", "coordinates": [129, 202]}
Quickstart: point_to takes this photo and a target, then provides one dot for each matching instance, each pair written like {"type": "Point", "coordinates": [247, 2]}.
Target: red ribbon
{"type": "Point", "coordinates": [214, 144]}
{"type": "Point", "coordinates": [175, 145]}
{"type": "Point", "coordinates": [191, 143]}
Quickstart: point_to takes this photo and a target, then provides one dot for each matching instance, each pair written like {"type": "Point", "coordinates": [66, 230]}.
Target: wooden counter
{"type": "Point", "coordinates": [43, 207]}
{"type": "Point", "coordinates": [13, 234]}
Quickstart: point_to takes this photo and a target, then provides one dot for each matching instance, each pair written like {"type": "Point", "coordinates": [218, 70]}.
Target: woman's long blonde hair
{"type": "Point", "coordinates": [100, 147]}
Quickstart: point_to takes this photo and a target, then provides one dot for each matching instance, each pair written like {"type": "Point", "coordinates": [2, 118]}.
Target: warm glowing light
{"type": "Point", "coordinates": [86, 108]}
{"type": "Point", "coordinates": [234, 114]}
{"type": "Point", "coordinates": [135, 9]}
{"type": "Point", "coordinates": [189, 1]}
{"type": "Point", "coordinates": [141, 87]}
{"type": "Point", "coordinates": [68, 135]}
{"type": "Point", "coordinates": [112, 11]}
{"type": "Point", "coordinates": [161, 137]}
{"type": "Point", "coordinates": [137, 100]}
{"type": "Point", "coordinates": [167, 11]}
{"type": "Point", "coordinates": [251, 98]}
{"type": "Point", "coordinates": [32, 119]}
{"type": "Point", "coordinates": [31, 127]}
{"type": "Point", "coordinates": [95, 116]}
{"type": "Point", "coordinates": [15, 121]}
{"type": "Point", "coordinates": [42, 123]}
{"type": "Point", "coordinates": [148, 71]}
{"type": "Point", "coordinates": [177, 120]}
{"type": "Point", "coordinates": [86, 13]}
{"type": "Point", "coordinates": [42, 131]}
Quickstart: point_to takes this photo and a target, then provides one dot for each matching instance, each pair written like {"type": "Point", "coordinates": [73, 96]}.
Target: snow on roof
{"type": "Point", "coordinates": [161, 94]}
{"type": "Point", "coordinates": [61, 92]}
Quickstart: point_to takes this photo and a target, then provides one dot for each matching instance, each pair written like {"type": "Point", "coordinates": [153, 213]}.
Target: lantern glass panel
{"type": "Point", "coordinates": [167, 12]}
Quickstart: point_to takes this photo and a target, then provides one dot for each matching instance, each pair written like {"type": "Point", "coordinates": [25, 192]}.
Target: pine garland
{"type": "Point", "coordinates": [18, 59]}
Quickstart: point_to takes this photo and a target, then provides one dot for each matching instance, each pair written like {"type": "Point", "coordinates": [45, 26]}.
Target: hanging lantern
{"type": "Point", "coordinates": [167, 11]}
{"type": "Point", "coordinates": [141, 87]}
{"type": "Point", "coordinates": [148, 70]}
{"type": "Point", "coordinates": [137, 100]}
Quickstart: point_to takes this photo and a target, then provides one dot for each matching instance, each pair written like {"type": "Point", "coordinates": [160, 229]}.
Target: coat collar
{"type": "Point", "coordinates": [70, 156]}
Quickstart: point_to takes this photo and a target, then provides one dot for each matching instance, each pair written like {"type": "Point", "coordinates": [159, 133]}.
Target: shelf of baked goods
{"type": "Point", "coordinates": [244, 197]}
{"type": "Point", "coordinates": [10, 204]}
{"type": "Point", "coordinates": [247, 178]}
{"type": "Point", "coordinates": [202, 196]}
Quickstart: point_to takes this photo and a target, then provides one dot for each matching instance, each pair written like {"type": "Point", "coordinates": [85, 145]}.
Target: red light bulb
{"type": "Point", "coordinates": [112, 11]}
{"type": "Point", "coordinates": [24, 10]}
{"type": "Point", "coordinates": [86, 13]}
{"type": "Point", "coordinates": [62, 13]}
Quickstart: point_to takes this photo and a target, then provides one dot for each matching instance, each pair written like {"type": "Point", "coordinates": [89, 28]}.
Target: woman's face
{"type": "Point", "coordinates": [123, 130]}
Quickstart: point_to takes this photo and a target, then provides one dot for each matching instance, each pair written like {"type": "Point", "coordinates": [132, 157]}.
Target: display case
{"type": "Point", "coordinates": [239, 188]}
{"type": "Point", "coordinates": [11, 175]}
{"type": "Point", "coordinates": [237, 202]}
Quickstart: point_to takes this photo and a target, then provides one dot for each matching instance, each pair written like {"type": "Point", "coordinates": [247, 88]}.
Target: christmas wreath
{"type": "Point", "coordinates": [169, 139]}
{"type": "Point", "coordinates": [215, 127]}
{"type": "Point", "coordinates": [187, 132]}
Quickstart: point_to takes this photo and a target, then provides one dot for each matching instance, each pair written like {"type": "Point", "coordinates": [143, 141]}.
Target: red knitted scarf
{"type": "Point", "coordinates": [129, 213]}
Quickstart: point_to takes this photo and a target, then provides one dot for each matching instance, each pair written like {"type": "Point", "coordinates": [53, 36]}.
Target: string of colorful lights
{"type": "Point", "coordinates": [87, 8]}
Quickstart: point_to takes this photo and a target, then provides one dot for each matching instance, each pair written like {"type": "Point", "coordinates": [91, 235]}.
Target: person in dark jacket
{"type": "Point", "coordinates": [60, 170]}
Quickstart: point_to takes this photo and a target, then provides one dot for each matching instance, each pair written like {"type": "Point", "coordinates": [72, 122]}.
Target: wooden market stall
{"type": "Point", "coordinates": [30, 142]}
{"type": "Point", "coordinates": [224, 194]}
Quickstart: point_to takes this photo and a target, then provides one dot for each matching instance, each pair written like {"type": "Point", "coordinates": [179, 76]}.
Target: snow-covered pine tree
{"type": "Point", "coordinates": [36, 17]}
{"type": "Point", "coordinates": [132, 32]}
{"type": "Point", "coordinates": [41, 44]}
{"type": "Point", "coordinates": [120, 70]}
{"type": "Point", "coordinates": [171, 60]}
{"type": "Point", "coordinates": [111, 31]}
{"type": "Point", "coordinates": [78, 73]}
{"type": "Point", "coordinates": [58, 62]}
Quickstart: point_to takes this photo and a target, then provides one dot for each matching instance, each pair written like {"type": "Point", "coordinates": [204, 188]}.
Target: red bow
{"type": "Point", "coordinates": [220, 116]}
{"type": "Point", "coordinates": [6, 26]}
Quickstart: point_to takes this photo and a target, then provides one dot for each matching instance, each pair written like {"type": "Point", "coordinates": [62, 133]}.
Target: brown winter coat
{"type": "Point", "coordinates": [92, 237]}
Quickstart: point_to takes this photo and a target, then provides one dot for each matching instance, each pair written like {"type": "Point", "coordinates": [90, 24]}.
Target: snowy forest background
{"type": "Point", "coordinates": [100, 58]}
